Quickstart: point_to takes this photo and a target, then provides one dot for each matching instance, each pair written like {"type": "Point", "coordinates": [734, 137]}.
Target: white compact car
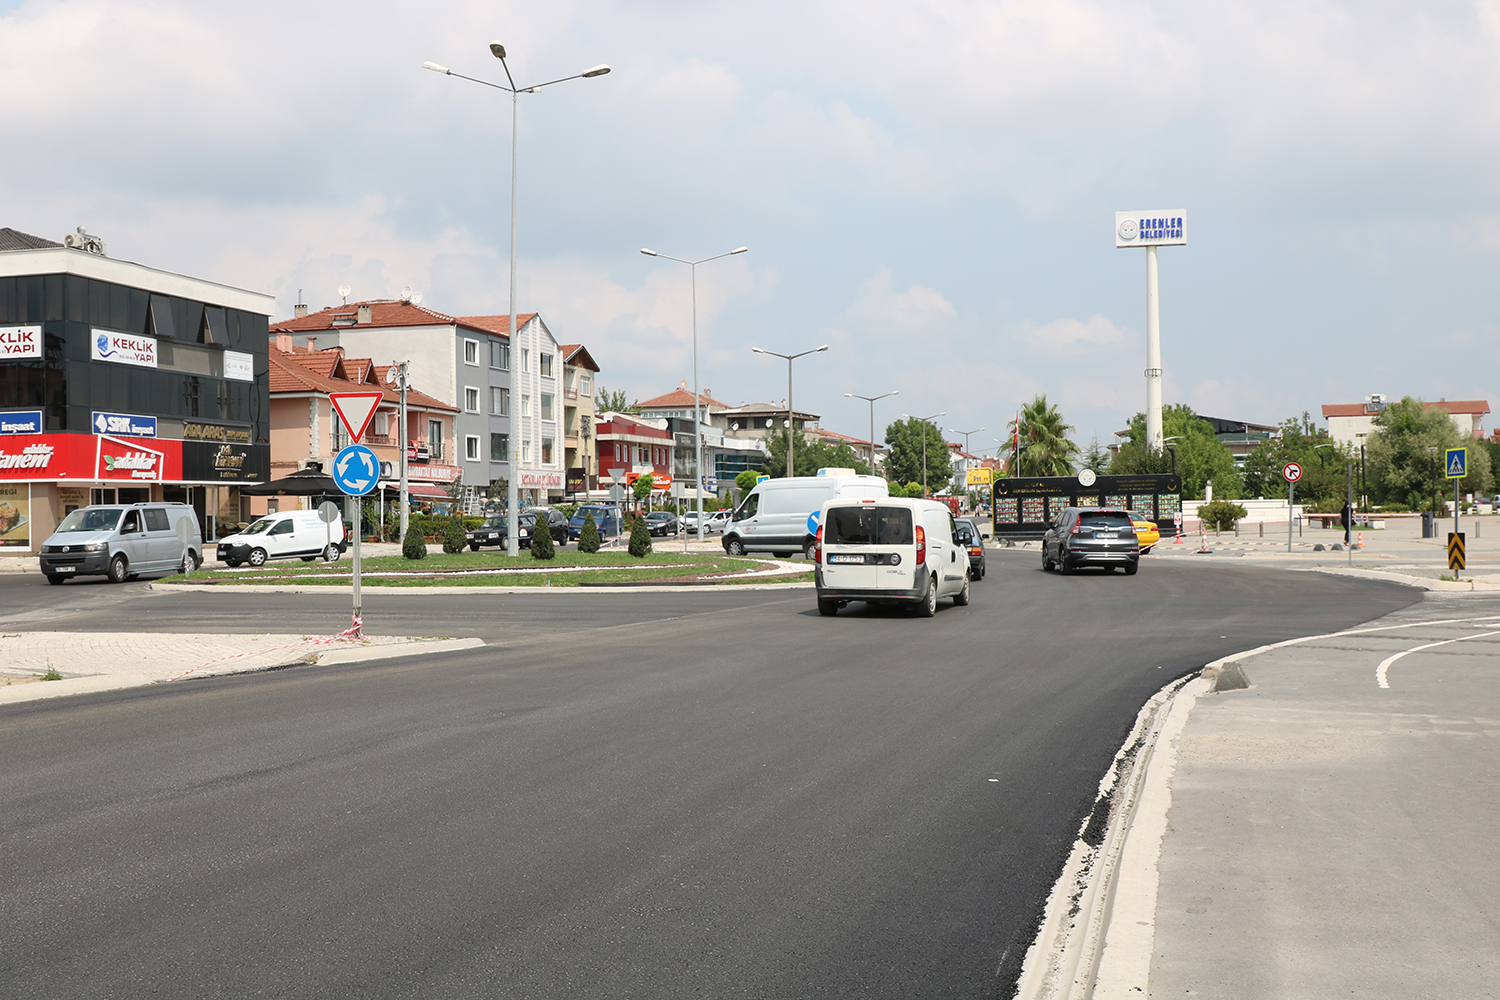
{"type": "Point", "coordinates": [300, 533]}
{"type": "Point", "coordinates": [889, 551]}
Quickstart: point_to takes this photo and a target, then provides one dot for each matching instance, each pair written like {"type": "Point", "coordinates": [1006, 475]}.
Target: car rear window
{"type": "Point", "coordinates": [1104, 519]}
{"type": "Point", "coordinates": [868, 525]}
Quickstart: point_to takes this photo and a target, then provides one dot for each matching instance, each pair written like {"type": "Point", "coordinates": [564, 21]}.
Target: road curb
{"type": "Point", "coordinates": [1420, 582]}
{"type": "Point", "coordinates": [246, 588]}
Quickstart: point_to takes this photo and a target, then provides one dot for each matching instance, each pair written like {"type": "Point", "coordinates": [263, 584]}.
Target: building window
{"type": "Point", "coordinates": [546, 451]}
{"type": "Point", "coordinates": [547, 406]}
{"type": "Point", "coordinates": [471, 352]}
{"type": "Point", "coordinates": [545, 360]}
{"type": "Point", "coordinates": [435, 440]}
{"type": "Point", "coordinates": [587, 386]}
{"type": "Point", "coordinates": [499, 355]}
{"type": "Point", "coordinates": [526, 359]}
{"type": "Point", "coordinates": [525, 405]}
{"type": "Point", "coordinates": [499, 447]}
{"type": "Point", "coordinates": [471, 399]}
{"type": "Point", "coordinates": [471, 447]}
{"type": "Point", "coordinates": [340, 436]}
{"type": "Point", "coordinates": [499, 401]}
{"type": "Point", "coordinates": [526, 451]}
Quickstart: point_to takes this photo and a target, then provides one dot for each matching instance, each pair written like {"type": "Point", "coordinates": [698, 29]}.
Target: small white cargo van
{"type": "Point", "coordinates": [300, 533]}
{"type": "Point", "coordinates": [889, 551]}
{"type": "Point", "coordinates": [121, 542]}
{"type": "Point", "coordinates": [774, 516]}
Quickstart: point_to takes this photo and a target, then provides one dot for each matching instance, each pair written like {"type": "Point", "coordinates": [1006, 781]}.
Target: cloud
{"type": "Point", "coordinates": [1061, 335]}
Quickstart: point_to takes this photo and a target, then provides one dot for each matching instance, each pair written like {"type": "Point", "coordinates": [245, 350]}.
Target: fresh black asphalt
{"type": "Point", "coordinates": [710, 794]}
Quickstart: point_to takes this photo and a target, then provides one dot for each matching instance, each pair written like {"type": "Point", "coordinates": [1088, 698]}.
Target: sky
{"type": "Point", "coordinates": [927, 188]}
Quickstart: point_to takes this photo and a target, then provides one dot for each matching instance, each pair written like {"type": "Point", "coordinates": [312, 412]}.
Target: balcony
{"type": "Point", "coordinates": [384, 439]}
{"type": "Point", "coordinates": [569, 393]}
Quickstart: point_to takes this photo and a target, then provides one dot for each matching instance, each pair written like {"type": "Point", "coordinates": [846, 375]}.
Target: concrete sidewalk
{"type": "Point", "coordinates": [1326, 831]}
{"type": "Point", "coordinates": [105, 661]}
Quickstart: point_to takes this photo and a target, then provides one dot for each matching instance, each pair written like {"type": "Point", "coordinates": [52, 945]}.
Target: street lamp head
{"type": "Point", "coordinates": [436, 68]}
{"type": "Point", "coordinates": [817, 349]}
{"type": "Point", "coordinates": [648, 253]}
{"type": "Point", "coordinates": [757, 350]}
{"type": "Point", "coordinates": [738, 250]}
{"type": "Point", "coordinates": [497, 50]}
{"type": "Point", "coordinates": [598, 70]}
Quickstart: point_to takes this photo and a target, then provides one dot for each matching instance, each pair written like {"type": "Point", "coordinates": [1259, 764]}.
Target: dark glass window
{"type": "Point", "coordinates": [869, 525]}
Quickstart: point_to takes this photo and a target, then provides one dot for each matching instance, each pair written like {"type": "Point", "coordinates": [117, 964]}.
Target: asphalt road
{"type": "Point", "coordinates": [713, 794]}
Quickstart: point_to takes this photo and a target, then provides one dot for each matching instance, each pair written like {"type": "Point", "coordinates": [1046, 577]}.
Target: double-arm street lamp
{"type": "Point", "coordinates": [924, 420]}
{"type": "Point", "coordinates": [965, 435]}
{"type": "Point", "coordinates": [512, 500]}
{"type": "Point", "coordinates": [791, 420]}
{"type": "Point", "coordinates": [697, 424]}
{"type": "Point", "coordinates": [871, 401]}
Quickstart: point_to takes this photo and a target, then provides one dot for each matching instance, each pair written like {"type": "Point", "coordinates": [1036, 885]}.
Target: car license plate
{"type": "Point", "coordinates": [846, 557]}
{"type": "Point", "coordinates": [1104, 534]}
{"type": "Point", "coordinates": [63, 569]}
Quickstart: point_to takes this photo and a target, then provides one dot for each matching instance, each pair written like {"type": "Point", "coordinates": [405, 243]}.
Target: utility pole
{"type": "Point", "coordinates": [399, 369]}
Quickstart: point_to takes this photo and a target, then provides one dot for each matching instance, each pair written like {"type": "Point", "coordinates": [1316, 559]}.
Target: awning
{"type": "Point", "coordinates": [419, 490]}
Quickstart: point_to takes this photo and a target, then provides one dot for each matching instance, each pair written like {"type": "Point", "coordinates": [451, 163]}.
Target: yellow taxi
{"type": "Point", "coordinates": [1146, 533]}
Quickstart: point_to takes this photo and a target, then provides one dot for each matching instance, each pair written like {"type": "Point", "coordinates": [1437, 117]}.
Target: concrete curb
{"type": "Point", "coordinates": [1420, 582]}
{"type": "Point", "coordinates": [246, 588]}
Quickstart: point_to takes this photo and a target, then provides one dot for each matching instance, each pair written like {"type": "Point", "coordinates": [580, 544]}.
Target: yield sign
{"type": "Point", "coordinates": [356, 410]}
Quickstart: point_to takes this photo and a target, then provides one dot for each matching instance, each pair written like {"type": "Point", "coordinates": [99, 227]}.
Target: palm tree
{"type": "Point", "coordinates": [1046, 450]}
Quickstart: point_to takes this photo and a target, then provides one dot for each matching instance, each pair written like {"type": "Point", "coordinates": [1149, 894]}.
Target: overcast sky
{"type": "Point", "coordinates": [929, 188]}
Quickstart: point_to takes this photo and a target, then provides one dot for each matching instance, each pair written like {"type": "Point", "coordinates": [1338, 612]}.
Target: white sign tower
{"type": "Point", "coordinates": [1152, 229]}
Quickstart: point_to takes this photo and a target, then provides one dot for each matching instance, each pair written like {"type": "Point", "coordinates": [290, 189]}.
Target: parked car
{"type": "Point", "coordinates": [120, 542]}
{"type": "Point", "coordinates": [1146, 533]}
{"type": "Point", "coordinates": [662, 523]}
{"type": "Point", "coordinates": [889, 550]}
{"type": "Point", "coordinates": [529, 519]}
{"type": "Point", "coordinates": [492, 532]}
{"type": "Point", "coordinates": [972, 539]}
{"type": "Point", "coordinates": [294, 533]}
{"type": "Point", "coordinates": [607, 518]}
{"type": "Point", "coordinates": [1092, 536]}
{"type": "Point", "coordinates": [713, 520]}
{"type": "Point", "coordinates": [773, 516]}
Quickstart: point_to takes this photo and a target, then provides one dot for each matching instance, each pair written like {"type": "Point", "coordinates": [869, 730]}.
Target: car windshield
{"type": "Point", "coordinates": [259, 527]}
{"type": "Point", "coordinates": [1105, 519]}
{"type": "Point", "coordinates": [868, 525]}
{"type": "Point", "coordinates": [495, 522]}
{"type": "Point", "coordinates": [658, 515]}
{"type": "Point", "coordinates": [598, 512]}
{"type": "Point", "coordinates": [90, 520]}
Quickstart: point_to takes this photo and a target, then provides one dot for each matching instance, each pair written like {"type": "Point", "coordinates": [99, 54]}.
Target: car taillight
{"type": "Point", "coordinates": [976, 550]}
{"type": "Point", "coordinates": [1074, 530]}
{"type": "Point", "coordinates": [921, 545]}
{"type": "Point", "coordinates": [818, 545]}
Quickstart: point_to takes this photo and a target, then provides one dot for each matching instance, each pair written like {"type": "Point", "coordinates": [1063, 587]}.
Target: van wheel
{"type": "Point", "coordinates": [197, 559]}
{"type": "Point", "coordinates": [257, 557]}
{"type": "Point", "coordinates": [825, 608]}
{"type": "Point", "coordinates": [119, 569]}
{"type": "Point", "coordinates": [734, 547]}
{"type": "Point", "coordinates": [961, 598]}
{"type": "Point", "coordinates": [55, 580]}
{"type": "Point", "coordinates": [331, 553]}
{"type": "Point", "coordinates": [928, 607]}
{"type": "Point", "coordinates": [811, 551]}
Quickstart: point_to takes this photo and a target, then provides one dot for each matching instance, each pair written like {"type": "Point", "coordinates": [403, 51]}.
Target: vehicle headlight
{"type": "Point", "coordinates": [96, 547]}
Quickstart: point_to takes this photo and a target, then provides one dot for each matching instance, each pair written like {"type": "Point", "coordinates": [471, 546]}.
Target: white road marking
{"type": "Point", "coordinates": [1380, 671]}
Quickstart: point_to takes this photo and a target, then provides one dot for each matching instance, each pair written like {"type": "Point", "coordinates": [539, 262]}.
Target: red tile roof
{"type": "Point", "coordinates": [496, 324]}
{"type": "Point", "coordinates": [1471, 406]}
{"type": "Point", "coordinates": [391, 312]}
{"type": "Point", "coordinates": [681, 398]}
{"type": "Point", "coordinates": [290, 373]}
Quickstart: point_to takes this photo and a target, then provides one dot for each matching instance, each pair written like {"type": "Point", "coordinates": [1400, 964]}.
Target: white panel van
{"type": "Point", "coordinates": [773, 516]}
{"type": "Point", "coordinates": [300, 533]}
{"type": "Point", "coordinates": [889, 551]}
{"type": "Point", "coordinates": [121, 542]}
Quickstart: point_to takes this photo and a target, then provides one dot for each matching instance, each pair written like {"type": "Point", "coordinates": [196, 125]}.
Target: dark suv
{"type": "Point", "coordinates": [1092, 536]}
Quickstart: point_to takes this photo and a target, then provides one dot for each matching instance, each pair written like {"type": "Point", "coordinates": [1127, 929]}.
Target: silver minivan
{"type": "Point", "coordinates": [889, 551]}
{"type": "Point", "coordinates": [121, 542]}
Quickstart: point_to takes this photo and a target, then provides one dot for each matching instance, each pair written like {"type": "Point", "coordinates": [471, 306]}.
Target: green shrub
{"type": "Point", "coordinates": [541, 539]}
{"type": "Point", "coordinates": [413, 546]}
{"type": "Point", "coordinates": [453, 535]}
{"type": "Point", "coordinates": [640, 538]}
{"type": "Point", "coordinates": [1221, 514]}
{"type": "Point", "coordinates": [566, 509]}
{"type": "Point", "coordinates": [588, 535]}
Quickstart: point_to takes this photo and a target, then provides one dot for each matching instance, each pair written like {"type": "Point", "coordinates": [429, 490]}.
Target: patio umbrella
{"type": "Point", "coordinates": [308, 482]}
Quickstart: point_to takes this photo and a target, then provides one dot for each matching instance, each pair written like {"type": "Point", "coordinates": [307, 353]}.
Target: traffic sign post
{"type": "Point", "coordinates": [356, 471]}
{"type": "Point", "coordinates": [1291, 472]}
{"type": "Point", "coordinates": [1456, 550]}
{"type": "Point", "coordinates": [1455, 467]}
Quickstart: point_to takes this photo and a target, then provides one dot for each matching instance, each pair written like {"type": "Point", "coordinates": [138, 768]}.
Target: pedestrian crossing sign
{"type": "Point", "coordinates": [1455, 460]}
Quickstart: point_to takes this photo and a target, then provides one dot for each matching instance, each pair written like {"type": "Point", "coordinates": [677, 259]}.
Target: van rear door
{"type": "Point", "coordinates": [868, 546]}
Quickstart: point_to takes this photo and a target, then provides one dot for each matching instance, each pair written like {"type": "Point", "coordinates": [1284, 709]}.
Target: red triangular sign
{"type": "Point", "coordinates": [356, 410]}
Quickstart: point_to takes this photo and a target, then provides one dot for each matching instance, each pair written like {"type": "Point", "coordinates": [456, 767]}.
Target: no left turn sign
{"type": "Point", "coordinates": [1292, 472]}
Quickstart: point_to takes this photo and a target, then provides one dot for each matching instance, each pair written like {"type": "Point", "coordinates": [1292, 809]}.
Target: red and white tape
{"type": "Point", "coordinates": [350, 634]}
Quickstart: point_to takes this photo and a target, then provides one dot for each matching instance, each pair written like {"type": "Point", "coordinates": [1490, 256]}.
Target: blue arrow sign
{"type": "Point", "coordinates": [813, 520]}
{"type": "Point", "coordinates": [1455, 460]}
{"type": "Point", "coordinates": [356, 470]}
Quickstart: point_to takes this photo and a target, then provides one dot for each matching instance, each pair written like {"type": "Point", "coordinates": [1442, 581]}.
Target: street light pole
{"type": "Point", "coordinates": [791, 420]}
{"type": "Point", "coordinates": [512, 492]}
{"type": "Point", "coordinates": [697, 424]}
{"type": "Point", "coordinates": [924, 421]}
{"type": "Point", "coordinates": [966, 452]}
{"type": "Point", "coordinates": [871, 401]}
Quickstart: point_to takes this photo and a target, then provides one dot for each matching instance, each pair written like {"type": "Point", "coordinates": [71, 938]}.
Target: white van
{"type": "Point", "coordinates": [121, 542]}
{"type": "Point", "coordinates": [890, 551]}
{"type": "Point", "coordinates": [774, 516]}
{"type": "Point", "coordinates": [300, 533]}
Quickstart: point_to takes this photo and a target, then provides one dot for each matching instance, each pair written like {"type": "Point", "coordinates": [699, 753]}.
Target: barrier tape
{"type": "Point", "coordinates": [350, 634]}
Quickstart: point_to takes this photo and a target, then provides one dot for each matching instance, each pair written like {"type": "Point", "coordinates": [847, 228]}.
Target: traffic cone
{"type": "Point", "coordinates": [1359, 540]}
{"type": "Point", "coordinates": [1203, 535]}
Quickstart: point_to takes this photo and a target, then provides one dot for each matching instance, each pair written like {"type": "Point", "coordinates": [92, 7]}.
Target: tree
{"type": "Point", "coordinates": [1404, 456]}
{"type": "Point", "coordinates": [745, 481]}
{"type": "Point", "coordinates": [453, 534]}
{"type": "Point", "coordinates": [905, 438]}
{"type": "Point", "coordinates": [640, 538]}
{"type": "Point", "coordinates": [613, 401]}
{"type": "Point", "coordinates": [810, 456]}
{"type": "Point", "coordinates": [642, 488]}
{"type": "Point", "coordinates": [1201, 456]}
{"type": "Point", "coordinates": [588, 535]}
{"type": "Point", "coordinates": [1097, 457]}
{"type": "Point", "coordinates": [541, 538]}
{"type": "Point", "coordinates": [1045, 447]}
{"type": "Point", "coordinates": [414, 546]}
{"type": "Point", "coordinates": [1322, 481]}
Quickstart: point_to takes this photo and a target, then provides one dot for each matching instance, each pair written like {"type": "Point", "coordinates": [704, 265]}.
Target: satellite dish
{"type": "Point", "coordinates": [406, 294]}
{"type": "Point", "coordinates": [416, 298]}
{"type": "Point", "coordinates": [344, 291]}
{"type": "Point", "coordinates": [734, 426]}
{"type": "Point", "coordinates": [787, 423]}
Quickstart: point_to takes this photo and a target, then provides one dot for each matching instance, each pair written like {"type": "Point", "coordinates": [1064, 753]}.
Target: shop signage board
{"type": "Point", "coordinates": [128, 424]}
{"type": "Point", "coordinates": [15, 514]}
{"type": "Point", "coordinates": [17, 342]}
{"type": "Point", "coordinates": [1161, 227]}
{"type": "Point", "coordinates": [122, 348]}
{"type": "Point", "coordinates": [979, 477]}
{"type": "Point", "coordinates": [239, 366]}
{"type": "Point", "coordinates": [537, 479]}
{"type": "Point", "coordinates": [356, 410]}
{"type": "Point", "coordinates": [22, 422]}
{"type": "Point", "coordinates": [118, 459]}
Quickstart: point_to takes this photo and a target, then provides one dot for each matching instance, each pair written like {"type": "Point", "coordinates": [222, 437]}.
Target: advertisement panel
{"type": "Point", "coordinates": [979, 477]}
{"type": "Point", "coordinates": [17, 342]}
{"type": "Point", "coordinates": [128, 424]}
{"type": "Point", "coordinates": [208, 462]}
{"type": "Point", "coordinates": [240, 366]}
{"type": "Point", "coordinates": [535, 479]}
{"type": "Point", "coordinates": [15, 514]}
{"type": "Point", "coordinates": [1154, 228]}
{"type": "Point", "coordinates": [88, 458]}
{"type": "Point", "coordinates": [22, 422]}
{"type": "Point", "coordinates": [122, 348]}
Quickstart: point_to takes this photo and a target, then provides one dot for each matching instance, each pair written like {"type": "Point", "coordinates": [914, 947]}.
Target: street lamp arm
{"type": "Point", "coordinates": [472, 79]}
{"type": "Point", "coordinates": [585, 75]}
{"type": "Point", "coordinates": [692, 263]}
